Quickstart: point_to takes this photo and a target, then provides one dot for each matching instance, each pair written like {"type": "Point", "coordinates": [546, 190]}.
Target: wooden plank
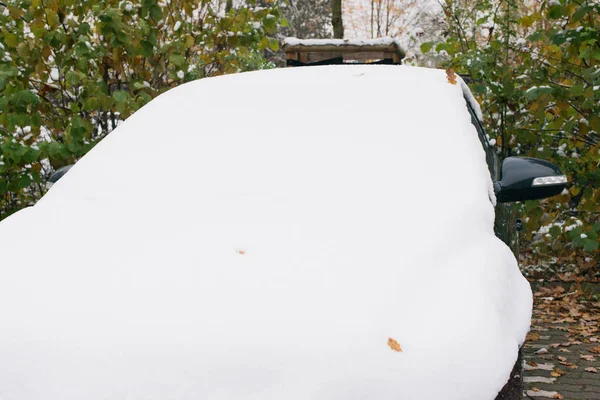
{"type": "Point", "coordinates": [291, 56]}
{"type": "Point", "coordinates": [393, 48]}
{"type": "Point", "coordinates": [312, 53]}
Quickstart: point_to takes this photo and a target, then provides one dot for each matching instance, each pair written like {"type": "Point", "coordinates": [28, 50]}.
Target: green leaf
{"type": "Point", "coordinates": [590, 245]}
{"type": "Point", "coordinates": [121, 96]}
{"type": "Point", "coordinates": [263, 44]}
{"type": "Point", "coordinates": [595, 123]}
{"type": "Point", "coordinates": [72, 78]}
{"type": "Point", "coordinates": [52, 18]}
{"type": "Point", "coordinates": [535, 92]}
{"type": "Point", "coordinates": [10, 40]}
{"type": "Point", "coordinates": [555, 12]}
{"type": "Point", "coordinates": [426, 47]}
{"type": "Point", "coordinates": [156, 13]}
{"type": "Point", "coordinates": [481, 20]}
{"type": "Point", "coordinates": [177, 59]}
{"type": "Point", "coordinates": [442, 46]}
{"type": "Point", "coordinates": [30, 156]}
{"type": "Point", "coordinates": [146, 48]}
{"type": "Point", "coordinates": [555, 231]}
{"type": "Point", "coordinates": [581, 12]}
{"type": "Point", "coordinates": [24, 181]}
{"type": "Point", "coordinates": [24, 98]}
{"type": "Point", "coordinates": [273, 44]}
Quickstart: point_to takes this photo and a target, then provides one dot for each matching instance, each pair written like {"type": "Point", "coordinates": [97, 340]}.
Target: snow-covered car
{"type": "Point", "coordinates": [307, 233]}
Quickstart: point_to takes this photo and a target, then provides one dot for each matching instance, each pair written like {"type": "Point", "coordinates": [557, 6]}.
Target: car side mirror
{"type": "Point", "coordinates": [525, 178]}
{"type": "Point", "coordinates": [58, 174]}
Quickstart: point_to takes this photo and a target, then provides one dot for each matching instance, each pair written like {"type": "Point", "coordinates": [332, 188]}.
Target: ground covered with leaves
{"type": "Point", "coordinates": [562, 353]}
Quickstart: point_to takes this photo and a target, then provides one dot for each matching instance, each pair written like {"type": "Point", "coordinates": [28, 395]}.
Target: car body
{"type": "Point", "coordinates": [308, 233]}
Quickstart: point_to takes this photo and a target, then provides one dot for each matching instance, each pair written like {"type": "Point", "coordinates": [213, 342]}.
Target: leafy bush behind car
{"type": "Point", "coordinates": [71, 71]}
{"type": "Point", "coordinates": [535, 68]}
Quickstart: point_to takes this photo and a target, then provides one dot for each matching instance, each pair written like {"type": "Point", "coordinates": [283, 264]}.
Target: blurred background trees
{"type": "Point", "coordinates": [307, 19]}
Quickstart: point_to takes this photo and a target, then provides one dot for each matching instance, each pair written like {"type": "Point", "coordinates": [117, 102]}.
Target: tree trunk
{"type": "Point", "coordinates": [372, 16]}
{"type": "Point", "coordinates": [336, 19]}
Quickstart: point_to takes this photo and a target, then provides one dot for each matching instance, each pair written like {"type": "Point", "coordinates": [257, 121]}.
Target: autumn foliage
{"type": "Point", "coordinates": [71, 71]}
{"type": "Point", "coordinates": [535, 68]}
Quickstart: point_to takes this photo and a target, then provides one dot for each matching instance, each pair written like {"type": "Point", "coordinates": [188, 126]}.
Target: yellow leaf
{"type": "Point", "coordinates": [451, 76]}
{"type": "Point", "coordinates": [394, 345]}
{"type": "Point", "coordinates": [575, 190]}
{"type": "Point", "coordinates": [189, 41]}
{"type": "Point", "coordinates": [15, 12]}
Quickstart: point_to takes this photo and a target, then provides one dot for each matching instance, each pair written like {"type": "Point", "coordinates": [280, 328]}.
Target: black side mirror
{"type": "Point", "coordinates": [58, 174]}
{"type": "Point", "coordinates": [525, 178]}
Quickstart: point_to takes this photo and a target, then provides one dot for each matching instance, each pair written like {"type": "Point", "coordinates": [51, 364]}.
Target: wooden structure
{"type": "Point", "coordinates": [342, 51]}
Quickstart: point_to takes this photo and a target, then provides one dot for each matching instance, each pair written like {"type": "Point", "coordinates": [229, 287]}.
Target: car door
{"type": "Point", "coordinates": [505, 224]}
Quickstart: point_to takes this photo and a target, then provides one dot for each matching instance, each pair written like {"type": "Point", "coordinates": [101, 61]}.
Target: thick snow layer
{"type": "Point", "coordinates": [216, 246]}
{"type": "Point", "coordinates": [470, 98]}
{"type": "Point", "coordinates": [292, 41]}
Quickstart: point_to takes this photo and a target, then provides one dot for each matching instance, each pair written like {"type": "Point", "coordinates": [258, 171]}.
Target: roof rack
{"type": "Point", "coordinates": [300, 52]}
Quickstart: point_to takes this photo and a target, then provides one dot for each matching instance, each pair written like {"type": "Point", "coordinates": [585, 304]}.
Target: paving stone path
{"type": "Point", "coordinates": [555, 362]}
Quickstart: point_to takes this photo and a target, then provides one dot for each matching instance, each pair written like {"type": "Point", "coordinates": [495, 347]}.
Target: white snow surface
{"type": "Point", "coordinates": [292, 41]}
{"type": "Point", "coordinates": [261, 236]}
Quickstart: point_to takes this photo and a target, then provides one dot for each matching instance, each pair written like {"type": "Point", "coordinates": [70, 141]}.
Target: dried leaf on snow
{"type": "Point", "coordinates": [394, 345]}
{"type": "Point", "coordinates": [451, 76]}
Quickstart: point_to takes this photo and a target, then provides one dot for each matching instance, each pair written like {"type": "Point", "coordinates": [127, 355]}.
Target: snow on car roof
{"type": "Point", "coordinates": [264, 236]}
{"type": "Point", "coordinates": [292, 41]}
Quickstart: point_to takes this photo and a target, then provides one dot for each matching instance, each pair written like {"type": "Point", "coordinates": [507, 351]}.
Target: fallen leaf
{"type": "Point", "coordinates": [394, 345]}
{"type": "Point", "coordinates": [567, 344]}
{"type": "Point", "coordinates": [592, 370]}
{"type": "Point", "coordinates": [595, 350]}
{"type": "Point", "coordinates": [561, 358]}
{"type": "Point", "coordinates": [535, 389]}
{"type": "Point", "coordinates": [451, 76]}
{"type": "Point", "coordinates": [557, 372]}
{"type": "Point", "coordinates": [533, 336]}
{"type": "Point", "coordinates": [558, 396]}
{"type": "Point", "coordinates": [532, 363]}
{"type": "Point", "coordinates": [588, 357]}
